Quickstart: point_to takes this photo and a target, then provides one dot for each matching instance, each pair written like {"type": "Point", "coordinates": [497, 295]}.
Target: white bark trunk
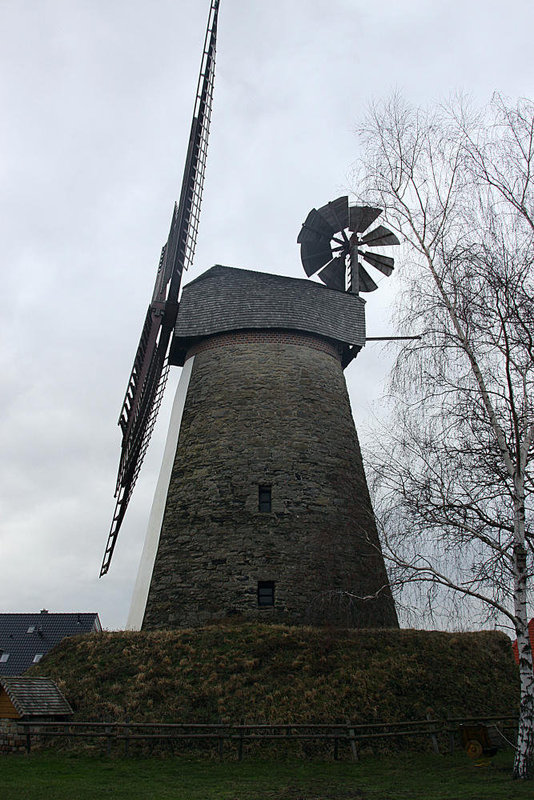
{"type": "Point", "coordinates": [524, 757]}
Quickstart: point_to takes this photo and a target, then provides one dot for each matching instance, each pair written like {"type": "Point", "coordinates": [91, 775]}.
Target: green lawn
{"type": "Point", "coordinates": [53, 776]}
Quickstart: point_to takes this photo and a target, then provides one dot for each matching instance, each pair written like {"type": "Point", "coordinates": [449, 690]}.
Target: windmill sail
{"type": "Point", "coordinates": [149, 373]}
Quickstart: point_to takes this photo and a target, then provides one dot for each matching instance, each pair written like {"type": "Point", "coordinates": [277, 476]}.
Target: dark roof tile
{"type": "Point", "coordinates": [25, 636]}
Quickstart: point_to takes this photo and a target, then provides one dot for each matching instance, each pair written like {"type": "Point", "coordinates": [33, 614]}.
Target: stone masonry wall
{"type": "Point", "coordinates": [12, 737]}
{"type": "Point", "coordinates": [270, 410]}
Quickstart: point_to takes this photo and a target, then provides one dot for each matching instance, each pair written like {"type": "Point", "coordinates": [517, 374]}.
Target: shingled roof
{"type": "Point", "coordinates": [35, 697]}
{"type": "Point", "coordinates": [228, 299]}
{"type": "Point", "coordinates": [26, 638]}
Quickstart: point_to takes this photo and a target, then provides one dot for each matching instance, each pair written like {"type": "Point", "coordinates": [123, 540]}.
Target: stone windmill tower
{"type": "Point", "coordinates": [262, 510]}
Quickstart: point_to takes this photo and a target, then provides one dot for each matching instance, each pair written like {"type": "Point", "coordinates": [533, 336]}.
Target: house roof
{"type": "Point", "coordinates": [226, 299]}
{"type": "Point", "coordinates": [35, 697]}
{"type": "Point", "coordinates": [25, 637]}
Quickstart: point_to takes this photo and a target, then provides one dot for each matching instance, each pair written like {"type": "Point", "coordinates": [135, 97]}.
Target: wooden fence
{"type": "Point", "coordinates": [225, 736]}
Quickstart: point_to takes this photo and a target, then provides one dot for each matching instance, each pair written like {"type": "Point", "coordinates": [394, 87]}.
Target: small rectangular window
{"type": "Point", "coordinates": [37, 657]}
{"type": "Point", "coordinates": [264, 498]}
{"type": "Point", "coordinates": [31, 629]}
{"type": "Point", "coordinates": [3, 657]}
{"type": "Point", "coordinates": [265, 593]}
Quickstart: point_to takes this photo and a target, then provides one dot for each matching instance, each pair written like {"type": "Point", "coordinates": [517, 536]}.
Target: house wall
{"type": "Point", "coordinates": [7, 709]}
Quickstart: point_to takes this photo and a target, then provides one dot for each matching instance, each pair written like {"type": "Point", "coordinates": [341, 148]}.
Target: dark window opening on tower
{"type": "Point", "coordinates": [265, 593]}
{"type": "Point", "coordinates": [264, 498]}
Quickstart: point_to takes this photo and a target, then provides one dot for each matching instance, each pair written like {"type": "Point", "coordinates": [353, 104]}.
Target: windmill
{"type": "Point", "coordinates": [150, 369]}
{"type": "Point", "coordinates": [262, 510]}
{"type": "Point", "coordinates": [339, 228]}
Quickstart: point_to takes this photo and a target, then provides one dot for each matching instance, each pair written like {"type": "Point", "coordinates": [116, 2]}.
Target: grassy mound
{"type": "Point", "coordinates": [263, 673]}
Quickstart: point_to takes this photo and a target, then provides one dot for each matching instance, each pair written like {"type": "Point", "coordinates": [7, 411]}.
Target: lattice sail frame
{"type": "Point", "coordinates": [149, 374]}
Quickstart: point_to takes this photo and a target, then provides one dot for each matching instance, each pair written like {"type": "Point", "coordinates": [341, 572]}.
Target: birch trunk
{"type": "Point", "coordinates": [523, 764]}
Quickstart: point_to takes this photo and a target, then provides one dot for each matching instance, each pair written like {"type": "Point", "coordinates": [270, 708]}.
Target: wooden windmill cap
{"type": "Point", "coordinates": [227, 299]}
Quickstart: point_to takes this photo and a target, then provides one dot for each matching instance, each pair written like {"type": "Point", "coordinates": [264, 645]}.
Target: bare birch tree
{"type": "Point", "coordinates": [456, 470]}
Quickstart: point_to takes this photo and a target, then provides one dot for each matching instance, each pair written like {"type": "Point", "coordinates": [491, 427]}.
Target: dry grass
{"type": "Point", "coordinates": [280, 674]}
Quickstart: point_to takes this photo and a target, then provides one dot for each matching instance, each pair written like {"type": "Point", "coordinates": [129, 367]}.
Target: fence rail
{"type": "Point", "coordinates": [332, 733]}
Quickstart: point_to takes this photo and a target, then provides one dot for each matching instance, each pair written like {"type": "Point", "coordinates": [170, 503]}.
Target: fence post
{"type": "Point", "coordinates": [240, 743]}
{"type": "Point", "coordinates": [336, 749]}
{"type": "Point", "coordinates": [108, 740]}
{"type": "Point", "coordinates": [352, 739]}
{"type": "Point", "coordinates": [28, 738]}
{"type": "Point", "coordinates": [126, 738]}
{"type": "Point", "coordinates": [433, 735]}
{"type": "Point", "coordinates": [451, 736]}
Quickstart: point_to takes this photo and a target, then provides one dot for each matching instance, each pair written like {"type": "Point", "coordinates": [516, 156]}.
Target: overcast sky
{"type": "Point", "coordinates": [96, 99]}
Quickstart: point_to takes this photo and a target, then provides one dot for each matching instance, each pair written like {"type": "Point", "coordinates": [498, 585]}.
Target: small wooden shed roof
{"type": "Point", "coordinates": [35, 697]}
